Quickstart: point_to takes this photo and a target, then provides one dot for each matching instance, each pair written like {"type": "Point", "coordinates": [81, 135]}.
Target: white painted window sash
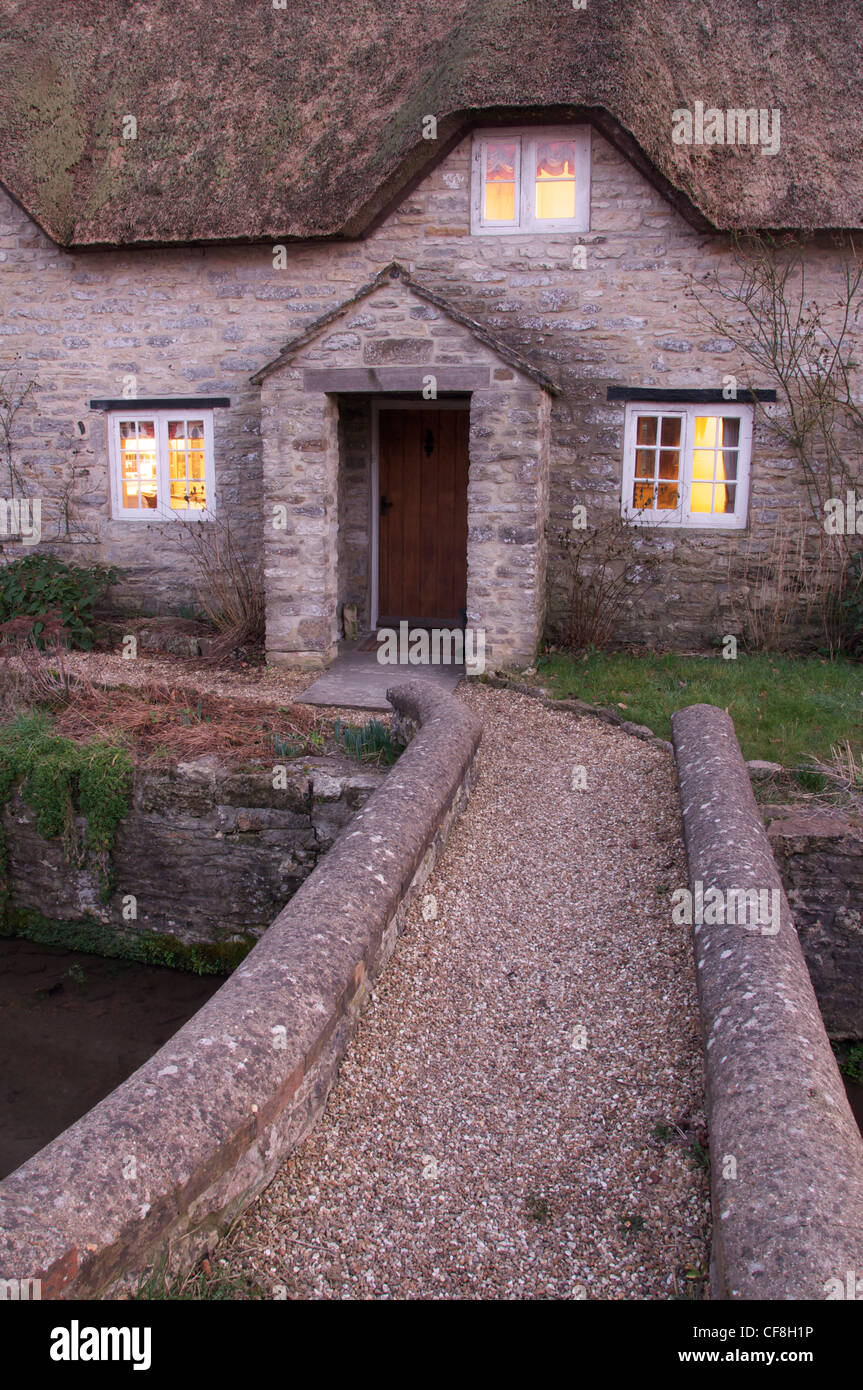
{"type": "Point", "coordinates": [527, 223]}
{"type": "Point", "coordinates": [682, 516]}
{"type": "Point", "coordinates": [163, 511]}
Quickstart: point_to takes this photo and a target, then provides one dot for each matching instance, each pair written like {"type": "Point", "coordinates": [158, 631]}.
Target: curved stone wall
{"type": "Point", "coordinates": [166, 1162]}
{"type": "Point", "coordinates": [786, 1154]}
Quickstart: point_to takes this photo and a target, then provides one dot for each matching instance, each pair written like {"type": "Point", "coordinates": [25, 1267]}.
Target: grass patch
{"type": "Point", "coordinates": [785, 709]}
{"type": "Point", "coordinates": [60, 780]}
{"type": "Point", "coordinates": [207, 1282]}
{"type": "Point", "coordinates": [849, 1055]}
{"type": "Point", "coordinates": [371, 742]}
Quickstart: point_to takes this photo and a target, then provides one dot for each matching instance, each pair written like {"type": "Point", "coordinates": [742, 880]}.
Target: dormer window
{"type": "Point", "coordinates": [531, 180]}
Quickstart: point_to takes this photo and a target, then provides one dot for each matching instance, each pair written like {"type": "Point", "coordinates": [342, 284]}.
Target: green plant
{"type": "Point", "coordinates": [690, 1282]}
{"type": "Point", "coordinates": [287, 747]}
{"type": "Point", "coordinates": [370, 741]}
{"type": "Point", "coordinates": [147, 948]}
{"type": "Point", "coordinates": [850, 1058]}
{"type": "Point", "coordinates": [849, 609]}
{"type": "Point", "coordinates": [59, 779]}
{"type": "Point", "coordinates": [39, 584]}
{"type": "Point", "coordinates": [537, 1208]}
{"type": "Point", "coordinates": [190, 716]}
{"type": "Point", "coordinates": [207, 1281]}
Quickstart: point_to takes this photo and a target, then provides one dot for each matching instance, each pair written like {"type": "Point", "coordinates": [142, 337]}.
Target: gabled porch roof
{"type": "Point", "coordinates": [396, 271]}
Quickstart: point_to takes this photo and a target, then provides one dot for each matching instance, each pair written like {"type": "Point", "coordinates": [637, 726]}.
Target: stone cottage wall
{"type": "Point", "coordinates": [355, 522]}
{"type": "Point", "coordinates": [202, 320]}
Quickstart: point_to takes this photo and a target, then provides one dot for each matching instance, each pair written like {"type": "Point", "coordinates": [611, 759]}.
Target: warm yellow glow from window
{"type": "Point", "coordinates": [555, 199]}
{"type": "Point", "coordinates": [499, 202]}
{"type": "Point", "coordinates": [500, 162]}
{"type": "Point", "coordinates": [708, 465]}
{"type": "Point", "coordinates": [186, 465]}
{"type": "Point", "coordinates": [555, 179]}
{"type": "Point", "coordinates": [138, 465]}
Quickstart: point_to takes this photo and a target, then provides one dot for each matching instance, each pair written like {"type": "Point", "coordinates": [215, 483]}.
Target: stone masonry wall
{"type": "Point", "coordinates": [507, 509]}
{"type": "Point", "coordinates": [301, 472]}
{"type": "Point", "coordinates": [819, 852]}
{"type": "Point", "coordinates": [202, 320]}
{"type": "Point", "coordinates": [210, 855]}
{"type": "Point", "coordinates": [507, 482]}
{"type": "Point", "coordinates": [354, 505]}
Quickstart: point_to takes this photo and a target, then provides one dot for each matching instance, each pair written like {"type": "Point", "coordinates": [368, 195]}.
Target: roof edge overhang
{"type": "Point", "coordinates": [418, 161]}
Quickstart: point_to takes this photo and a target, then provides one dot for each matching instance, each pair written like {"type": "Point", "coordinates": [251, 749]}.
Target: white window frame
{"type": "Point", "coordinates": [526, 222]}
{"type": "Point", "coordinates": [163, 511]}
{"type": "Point", "coordinates": [682, 516]}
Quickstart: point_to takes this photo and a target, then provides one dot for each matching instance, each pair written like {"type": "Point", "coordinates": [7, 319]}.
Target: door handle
{"type": "Point", "coordinates": [385, 504]}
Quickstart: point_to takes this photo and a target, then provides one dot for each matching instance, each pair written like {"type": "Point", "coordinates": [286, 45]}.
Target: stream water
{"type": "Point", "coordinates": [72, 1027]}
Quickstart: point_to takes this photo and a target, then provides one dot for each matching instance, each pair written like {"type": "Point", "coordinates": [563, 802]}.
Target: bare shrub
{"type": "Point", "coordinates": [804, 348]}
{"type": "Point", "coordinates": [230, 584]}
{"type": "Point", "coordinates": [802, 580]}
{"type": "Point", "coordinates": [29, 677]}
{"type": "Point", "coordinates": [604, 569]}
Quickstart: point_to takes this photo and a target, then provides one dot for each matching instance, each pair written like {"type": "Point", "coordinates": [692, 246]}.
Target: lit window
{"type": "Point", "coordinates": [531, 180]}
{"type": "Point", "coordinates": [687, 465]}
{"type": "Point", "coordinates": [162, 463]}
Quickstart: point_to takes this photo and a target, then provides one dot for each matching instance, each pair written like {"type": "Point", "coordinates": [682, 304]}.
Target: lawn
{"type": "Point", "coordinates": [785, 709]}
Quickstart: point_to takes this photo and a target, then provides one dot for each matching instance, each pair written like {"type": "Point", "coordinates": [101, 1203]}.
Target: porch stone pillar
{"type": "Point", "coordinates": [300, 550]}
{"type": "Point", "coordinates": [507, 513]}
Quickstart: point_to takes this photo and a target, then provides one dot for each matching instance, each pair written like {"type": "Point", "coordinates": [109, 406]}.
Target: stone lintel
{"type": "Point", "coordinates": [347, 379]}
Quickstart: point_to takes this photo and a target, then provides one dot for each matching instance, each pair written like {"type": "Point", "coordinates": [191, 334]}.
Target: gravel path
{"type": "Point", "coordinates": [519, 1114]}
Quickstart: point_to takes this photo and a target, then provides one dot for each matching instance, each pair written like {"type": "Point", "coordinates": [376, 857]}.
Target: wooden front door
{"type": "Point", "coordinates": [422, 503]}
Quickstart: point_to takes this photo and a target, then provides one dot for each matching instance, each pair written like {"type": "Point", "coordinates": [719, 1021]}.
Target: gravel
{"type": "Point", "coordinates": [520, 1114]}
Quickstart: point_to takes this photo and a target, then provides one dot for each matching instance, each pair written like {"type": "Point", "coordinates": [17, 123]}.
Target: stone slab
{"type": "Point", "coordinates": [357, 680]}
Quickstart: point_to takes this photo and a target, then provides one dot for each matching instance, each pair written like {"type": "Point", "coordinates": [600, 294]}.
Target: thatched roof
{"type": "Point", "coordinates": [257, 123]}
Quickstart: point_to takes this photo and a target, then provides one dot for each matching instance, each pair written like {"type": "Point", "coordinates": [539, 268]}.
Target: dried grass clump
{"type": "Point", "coordinates": [183, 721]}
